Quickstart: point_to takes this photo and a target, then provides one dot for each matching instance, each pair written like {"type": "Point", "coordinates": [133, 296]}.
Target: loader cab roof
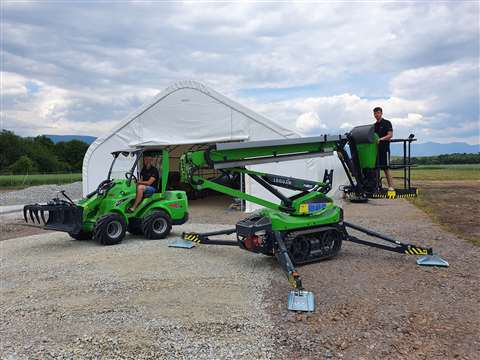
{"type": "Point", "coordinates": [134, 151]}
{"type": "Point", "coordinates": [125, 152]}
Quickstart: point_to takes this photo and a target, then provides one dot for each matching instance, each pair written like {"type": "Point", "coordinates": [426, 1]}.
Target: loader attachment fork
{"type": "Point", "coordinates": [62, 216]}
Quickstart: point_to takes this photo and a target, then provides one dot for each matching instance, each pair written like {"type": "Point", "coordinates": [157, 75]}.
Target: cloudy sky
{"type": "Point", "coordinates": [80, 67]}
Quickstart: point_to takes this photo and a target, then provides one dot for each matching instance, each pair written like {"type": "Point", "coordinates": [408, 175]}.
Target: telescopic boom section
{"type": "Point", "coordinates": [234, 156]}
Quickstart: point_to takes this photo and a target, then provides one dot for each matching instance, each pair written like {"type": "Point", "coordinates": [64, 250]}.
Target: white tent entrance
{"type": "Point", "coordinates": [189, 115]}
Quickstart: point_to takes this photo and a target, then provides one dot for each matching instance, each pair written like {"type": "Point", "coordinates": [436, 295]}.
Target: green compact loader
{"type": "Point", "coordinates": [102, 214]}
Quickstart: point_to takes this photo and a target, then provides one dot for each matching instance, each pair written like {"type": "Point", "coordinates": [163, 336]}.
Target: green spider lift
{"type": "Point", "coordinates": [300, 229]}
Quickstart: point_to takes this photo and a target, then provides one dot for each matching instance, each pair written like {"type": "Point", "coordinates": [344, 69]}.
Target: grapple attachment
{"type": "Point", "coordinates": [56, 215]}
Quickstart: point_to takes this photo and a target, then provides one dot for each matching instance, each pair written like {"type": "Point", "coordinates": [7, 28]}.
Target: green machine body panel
{"type": "Point", "coordinates": [281, 221]}
{"type": "Point", "coordinates": [367, 154]}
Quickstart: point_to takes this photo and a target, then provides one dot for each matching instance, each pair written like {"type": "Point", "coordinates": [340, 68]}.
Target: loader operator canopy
{"type": "Point", "coordinates": [123, 160]}
{"type": "Point", "coordinates": [128, 163]}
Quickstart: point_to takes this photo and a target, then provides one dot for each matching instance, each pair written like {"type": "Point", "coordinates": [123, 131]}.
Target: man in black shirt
{"type": "Point", "coordinates": [148, 181]}
{"type": "Point", "coordinates": [384, 130]}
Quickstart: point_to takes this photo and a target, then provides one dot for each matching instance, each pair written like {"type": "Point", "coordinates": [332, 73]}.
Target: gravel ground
{"type": "Point", "coordinates": [67, 299]}
{"type": "Point", "coordinates": [372, 304]}
{"type": "Point", "coordinates": [39, 194]}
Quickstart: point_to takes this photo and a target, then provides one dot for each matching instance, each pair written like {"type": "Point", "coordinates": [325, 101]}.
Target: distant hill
{"type": "Point", "coordinates": [84, 138]}
{"type": "Point", "coordinates": [433, 149]}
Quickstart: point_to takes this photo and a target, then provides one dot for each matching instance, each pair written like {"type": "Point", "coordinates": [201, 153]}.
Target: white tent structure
{"type": "Point", "coordinates": [188, 113]}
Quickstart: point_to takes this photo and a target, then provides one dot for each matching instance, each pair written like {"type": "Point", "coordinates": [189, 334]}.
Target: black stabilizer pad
{"type": "Point", "coordinates": [364, 134]}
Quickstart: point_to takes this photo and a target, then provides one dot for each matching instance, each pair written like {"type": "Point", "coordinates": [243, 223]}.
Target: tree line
{"type": "Point", "coordinates": [447, 159]}
{"type": "Point", "coordinates": [30, 155]}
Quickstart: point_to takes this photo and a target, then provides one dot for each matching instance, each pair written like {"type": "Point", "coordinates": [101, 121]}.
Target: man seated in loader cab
{"type": "Point", "coordinates": [148, 182]}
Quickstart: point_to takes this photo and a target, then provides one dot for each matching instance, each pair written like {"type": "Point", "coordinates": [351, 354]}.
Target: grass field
{"type": "Point", "coordinates": [22, 181]}
{"type": "Point", "coordinates": [450, 195]}
{"type": "Point", "coordinates": [444, 172]}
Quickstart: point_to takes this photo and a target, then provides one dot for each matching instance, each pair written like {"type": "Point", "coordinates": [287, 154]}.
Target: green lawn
{"type": "Point", "coordinates": [22, 181]}
{"type": "Point", "coordinates": [444, 172]}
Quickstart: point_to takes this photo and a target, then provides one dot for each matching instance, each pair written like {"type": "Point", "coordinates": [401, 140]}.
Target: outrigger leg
{"type": "Point", "coordinates": [298, 298]}
{"type": "Point", "coordinates": [189, 239]}
{"type": "Point", "coordinates": [428, 258]}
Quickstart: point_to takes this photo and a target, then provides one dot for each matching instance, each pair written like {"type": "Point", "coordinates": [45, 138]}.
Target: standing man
{"type": "Point", "coordinates": [384, 130]}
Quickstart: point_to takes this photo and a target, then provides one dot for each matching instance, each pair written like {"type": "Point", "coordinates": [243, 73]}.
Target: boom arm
{"type": "Point", "coordinates": [233, 157]}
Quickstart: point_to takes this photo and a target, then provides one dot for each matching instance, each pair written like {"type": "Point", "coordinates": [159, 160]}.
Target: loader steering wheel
{"type": "Point", "coordinates": [129, 176]}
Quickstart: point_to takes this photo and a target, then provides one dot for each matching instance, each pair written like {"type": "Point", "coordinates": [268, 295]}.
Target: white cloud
{"type": "Point", "coordinates": [426, 101]}
{"type": "Point", "coordinates": [346, 125]}
{"type": "Point", "coordinates": [356, 57]}
{"type": "Point", "coordinates": [412, 120]}
{"type": "Point", "coordinates": [309, 121]}
{"type": "Point", "coordinates": [12, 84]}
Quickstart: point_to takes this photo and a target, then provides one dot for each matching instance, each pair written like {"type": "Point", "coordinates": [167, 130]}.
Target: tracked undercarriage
{"type": "Point", "coordinates": [315, 244]}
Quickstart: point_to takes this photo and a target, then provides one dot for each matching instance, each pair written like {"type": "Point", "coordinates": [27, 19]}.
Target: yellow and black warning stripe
{"type": "Point", "coordinates": [393, 195]}
{"type": "Point", "coordinates": [406, 195]}
{"type": "Point", "coordinates": [192, 237]}
{"type": "Point", "coordinates": [416, 251]}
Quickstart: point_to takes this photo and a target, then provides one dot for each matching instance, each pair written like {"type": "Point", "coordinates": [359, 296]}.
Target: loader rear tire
{"type": "Point", "coordinates": [82, 235]}
{"type": "Point", "coordinates": [157, 225]}
{"type": "Point", "coordinates": [110, 229]}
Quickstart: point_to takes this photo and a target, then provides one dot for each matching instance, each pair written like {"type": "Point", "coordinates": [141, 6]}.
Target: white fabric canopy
{"type": "Point", "coordinates": [188, 113]}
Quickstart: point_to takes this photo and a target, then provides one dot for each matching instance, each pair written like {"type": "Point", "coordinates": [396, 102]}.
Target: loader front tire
{"type": "Point", "coordinates": [82, 235]}
{"type": "Point", "coordinates": [110, 229]}
{"type": "Point", "coordinates": [156, 225]}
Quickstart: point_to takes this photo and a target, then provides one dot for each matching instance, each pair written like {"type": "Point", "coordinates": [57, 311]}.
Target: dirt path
{"type": "Point", "coordinates": [372, 304]}
{"type": "Point", "coordinates": [67, 299]}
{"type": "Point", "coordinates": [453, 204]}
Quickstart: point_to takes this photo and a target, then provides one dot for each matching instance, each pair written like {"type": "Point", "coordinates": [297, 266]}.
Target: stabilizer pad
{"type": "Point", "coordinates": [432, 260]}
{"type": "Point", "coordinates": [300, 300]}
{"type": "Point", "coordinates": [180, 243]}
